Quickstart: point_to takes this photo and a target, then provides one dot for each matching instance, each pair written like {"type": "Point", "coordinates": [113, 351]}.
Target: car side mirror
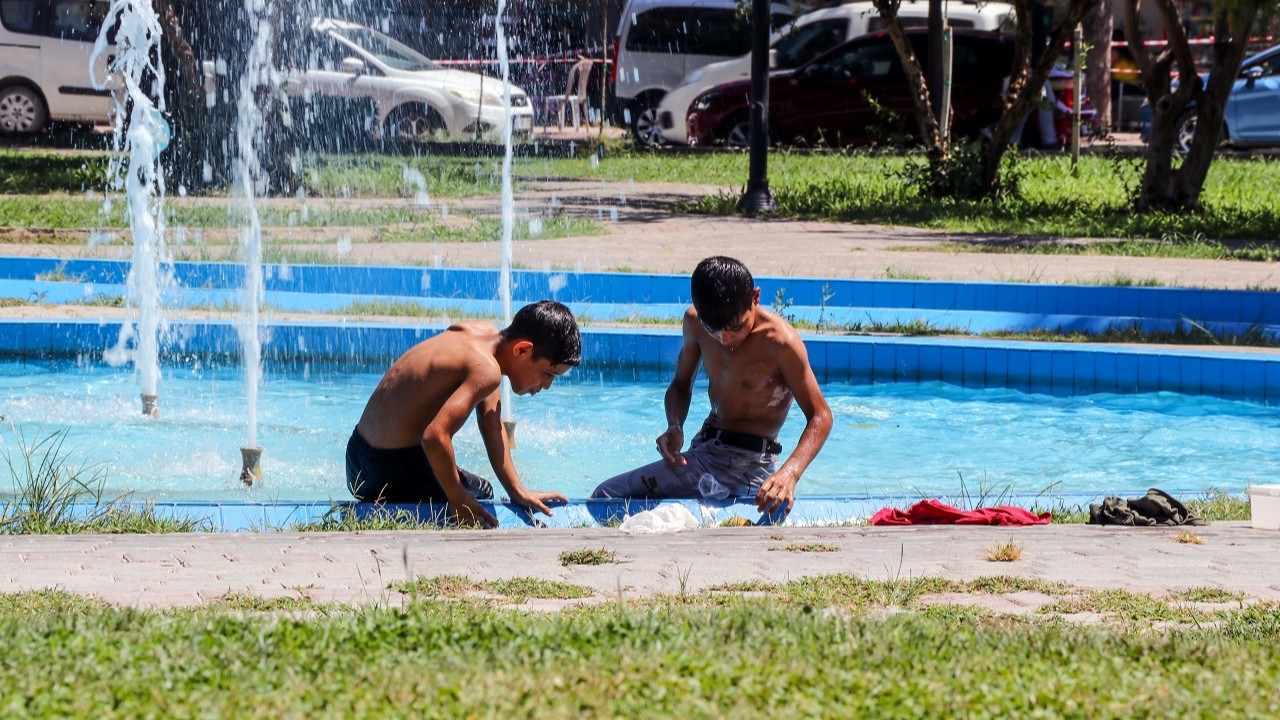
{"type": "Point", "coordinates": [352, 66]}
{"type": "Point", "coordinates": [1252, 74]}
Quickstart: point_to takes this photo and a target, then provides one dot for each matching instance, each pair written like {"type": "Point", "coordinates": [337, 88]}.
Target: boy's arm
{"type": "Point", "coordinates": [779, 489]}
{"type": "Point", "coordinates": [489, 418]}
{"type": "Point", "coordinates": [680, 393]}
{"type": "Point", "coordinates": [437, 443]}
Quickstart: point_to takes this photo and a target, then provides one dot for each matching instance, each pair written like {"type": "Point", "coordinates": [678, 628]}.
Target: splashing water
{"type": "Point", "coordinates": [508, 199]}
{"type": "Point", "coordinates": [257, 81]}
{"type": "Point", "coordinates": [137, 159]}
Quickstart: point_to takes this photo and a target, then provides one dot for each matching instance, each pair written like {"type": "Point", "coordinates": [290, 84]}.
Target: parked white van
{"type": "Point", "coordinates": [812, 34]}
{"type": "Point", "coordinates": [661, 41]}
{"type": "Point", "coordinates": [45, 48]}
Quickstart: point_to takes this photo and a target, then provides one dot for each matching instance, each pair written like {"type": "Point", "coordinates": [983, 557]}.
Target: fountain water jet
{"type": "Point", "coordinates": [259, 76]}
{"type": "Point", "coordinates": [508, 212]}
{"type": "Point", "coordinates": [137, 158]}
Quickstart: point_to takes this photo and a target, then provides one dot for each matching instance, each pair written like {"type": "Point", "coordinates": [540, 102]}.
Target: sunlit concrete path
{"type": "Point", "coordinates": [357, 567]}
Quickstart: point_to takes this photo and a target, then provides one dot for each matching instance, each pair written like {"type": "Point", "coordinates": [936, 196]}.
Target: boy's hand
{"type": "Point", "coordinates": [537, 500]}
{"type": "Point", "coordinates": [777, 491]}
{"type": "Point", "coordinates": [669, 445]}
{"type": "Point", "coordinates": [467, 511]}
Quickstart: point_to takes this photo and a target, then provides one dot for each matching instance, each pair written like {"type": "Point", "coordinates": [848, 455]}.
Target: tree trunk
{"type": "Point", "coordinates": [1164, 188]}
{"type": "Point", "coordinates": [1098, 28]}
{"type": "Point", "coordinates": [930, 131]}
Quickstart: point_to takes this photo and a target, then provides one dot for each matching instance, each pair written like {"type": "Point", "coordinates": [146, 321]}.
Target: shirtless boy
{"type": "Point", "coordinates": [756, 365]}
{"type": "Point", "coordinates": [401, 451]}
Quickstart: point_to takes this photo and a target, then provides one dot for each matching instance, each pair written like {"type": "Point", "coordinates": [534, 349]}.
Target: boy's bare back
{"type": "Point", "coordinates": [457, 365]}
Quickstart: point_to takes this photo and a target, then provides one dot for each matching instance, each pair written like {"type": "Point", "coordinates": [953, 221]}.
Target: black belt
{"type": "Point", "coordinates": [744, 441]}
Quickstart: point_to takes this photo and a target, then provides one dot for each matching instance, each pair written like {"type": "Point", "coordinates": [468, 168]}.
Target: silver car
{"type": "Point", "coordinates": [412, 96]}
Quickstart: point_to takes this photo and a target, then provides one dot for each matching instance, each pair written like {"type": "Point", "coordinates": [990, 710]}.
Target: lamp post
{"type": "Point", "coordinates": [757, 198]}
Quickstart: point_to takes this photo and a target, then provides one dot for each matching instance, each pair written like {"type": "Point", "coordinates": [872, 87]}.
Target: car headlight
{"type": "Point", "coordinates": [704, 101]}
{"type": "Point", "coordinates": [476, 97]}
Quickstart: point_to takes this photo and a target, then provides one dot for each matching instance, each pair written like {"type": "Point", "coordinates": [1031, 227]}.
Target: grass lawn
{"type": "Point", "coordinates": [710, 657]}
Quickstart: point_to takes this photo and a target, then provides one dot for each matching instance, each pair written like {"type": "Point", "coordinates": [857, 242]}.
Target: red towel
{"type": "Point", "coordinates": [932, 512]}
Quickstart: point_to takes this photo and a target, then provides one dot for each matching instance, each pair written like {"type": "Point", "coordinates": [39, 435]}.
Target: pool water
{"type": "Point", "coordinates": [900, 441]}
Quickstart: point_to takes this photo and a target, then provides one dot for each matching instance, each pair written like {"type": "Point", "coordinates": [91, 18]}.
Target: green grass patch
{"type": "Point", "coordinates": [39, 171]}
{"type": "Point", "coordinates": [588, 556]}
{"type": "Point", "coordinates": [1207, 595]}
{"type": "Point", "coordinates": [806, 548]}
{"type": "Point", "coordinates": [752, 660]}
{"type": "Point", "coordinates": [1127, 606]}
{"type": "Point", "coordinates": [517, 590]}
{"type": "Point", "coordinates": [344, 518]}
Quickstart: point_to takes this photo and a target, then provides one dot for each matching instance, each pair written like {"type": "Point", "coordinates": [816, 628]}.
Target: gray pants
{"type": "Point", "coordinates": [713, 470]}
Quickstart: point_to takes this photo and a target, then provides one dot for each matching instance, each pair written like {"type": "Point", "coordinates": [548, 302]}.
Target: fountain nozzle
{"type": "Point", "coordinates": [252, 471]}
{"type": "Point", "coordinates": [151, 405]}
{"type": "Point", "coordinates": [510, 427]}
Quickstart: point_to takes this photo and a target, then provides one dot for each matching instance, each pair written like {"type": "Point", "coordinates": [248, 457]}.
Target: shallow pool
{"type": "Point", "coordinates": [890, 440]}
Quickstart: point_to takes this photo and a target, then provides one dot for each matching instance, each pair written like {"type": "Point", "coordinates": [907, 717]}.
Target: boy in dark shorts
{"type": "Point", "coordinates": [756, 365]}
{"type": "Point", "coordinates": [402, 448]}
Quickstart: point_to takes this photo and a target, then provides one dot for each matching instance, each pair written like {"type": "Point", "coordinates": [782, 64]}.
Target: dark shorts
{"type": "Point", "coordinates": [400, 475]}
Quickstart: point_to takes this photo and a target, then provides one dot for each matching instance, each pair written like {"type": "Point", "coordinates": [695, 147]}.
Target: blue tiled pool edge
{"type": "Point", "coordinates": [809, 510]}
{"type": "Point", "coordinates": [1036, 367]}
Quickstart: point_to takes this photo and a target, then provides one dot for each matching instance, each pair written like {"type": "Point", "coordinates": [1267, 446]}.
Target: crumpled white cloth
{"type": "Point", "coordinates": [662, 519]}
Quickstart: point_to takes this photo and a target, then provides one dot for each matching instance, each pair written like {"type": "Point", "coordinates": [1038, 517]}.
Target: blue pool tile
{"type": "Point", "coordinates": [1126, 372]}
{"type": "Point", "coordinates": [1084, 371]}
{"type": "Point", "coordinates": [951, 368]}
{"type": "Point", "coordinates": [907, 363]}
{"type": "Point", "coordinates": [944, 296]}
{"type": "Point", "coordinates": [1253, 379]}
{"type": "Point", "coordinates": [1063, 369]}
{"type": "Point", "coordinates": [861, 362]}
{"type": "Point", "coordinates": [1170, 373]}
{"type": "Point", "coordinates": [1104, 372]}
{"type": "Point", "coordinates": [1019, 375]}
{"type": "Point", "coordinates": [13, 338]}
{"type": "Point", "coordinates": [1148, 373]}
{"type": "Point", "coordinates": [1211, 304]}
{"type": "Point", "coordinates": [1189, 373]}
{"type": "Point", "coordinates": [1004, 298]}
{"type": "Point", "coordinates": [966, 296]}
{"type": "Point", "coordinates": [1272, 393]}
{"type": "Point", "coordinates": [884, 358]}
{"type": "Point", "coordinates": [1233, 379]}
{"type": "Point", "coordinates": [1211, 376]}
{"type": "Point", "coordinates": [838, 353]}
{"type": "Point", "coordinates": [930, 362]}
{"type": "Point", "coordinates": [1040, 369]}
{"type": "Point", "coordinates": [997, 362]}
{"type": "Point", "coordinates": [974, 364]}
{"type": "Point", "coordinates": [863, 294]}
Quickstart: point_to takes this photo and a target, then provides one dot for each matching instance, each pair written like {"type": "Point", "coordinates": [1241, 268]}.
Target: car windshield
{"type": "Point", "coordinates": [391, 52]}
{"type": "Point", "coordinates": [809, 41]}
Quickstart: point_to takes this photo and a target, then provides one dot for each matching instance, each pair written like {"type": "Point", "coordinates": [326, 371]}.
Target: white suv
{"type": "Point", "coordinates": [412, 96]}
{"type": "Point", "coordinates": [45, 49]}
{"type": "Point", "coordinates": [661, 41]}
{"type": "Point", "coordinates": [811, 35]}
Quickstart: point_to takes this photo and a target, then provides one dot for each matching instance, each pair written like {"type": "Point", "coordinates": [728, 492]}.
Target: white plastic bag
{"type": "Point", "coordinates": [662, 519]}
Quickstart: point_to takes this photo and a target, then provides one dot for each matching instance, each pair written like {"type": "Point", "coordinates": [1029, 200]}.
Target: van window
{"type": "Point", "coordinates": [809, 41]}
{"type": "Point", "coordinates": [663, 30]}
{"type": "Point", "coordinates": [876, 23]}
{"type": "Point", "coordinates": [77, 19]}
{"type": "Point", "coordinates": [19, 15]}
{"type": "Point", "coordinates": [875, 61]}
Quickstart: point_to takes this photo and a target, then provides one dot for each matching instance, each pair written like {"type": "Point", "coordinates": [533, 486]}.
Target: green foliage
{"type": "Point", "coordinates": [38, 171]}
{"type": "Point", "coordinates": [588, 556]}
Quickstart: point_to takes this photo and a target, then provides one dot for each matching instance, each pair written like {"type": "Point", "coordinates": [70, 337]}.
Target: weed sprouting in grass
{"type": "Point", "coordinates": [1004, 551]}
{"type": "Point", "coordinates": [736, 521]}
{"type": "Point", "coordinates": [1207, 595]}
{"type": "Point", "coordinates": [518, 590]}
{"type": "Point", "coordinates": [1220, 505]}
{"type": "Point", "coordinates": [588, 556]}
{"type": "Point", "coordinates": [449, 586]}
{"type": "Point", "coordinates": [47, 487]}
{"type": "Point", "coordinates": [806, 548]}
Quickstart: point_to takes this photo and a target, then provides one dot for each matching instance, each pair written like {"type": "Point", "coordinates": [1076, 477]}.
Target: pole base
{"type": "Point", "coordinates": [252, 471]}
{"type": "Point", "coordinates": [510, 427]}
{"type": "Point", "coordinates": [756, 201]}
{"type": "Point", "coordinates": [151, 405]}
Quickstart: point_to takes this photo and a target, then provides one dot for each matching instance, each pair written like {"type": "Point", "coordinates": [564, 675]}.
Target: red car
{"type": "Point", "coordinates": [858, 93]}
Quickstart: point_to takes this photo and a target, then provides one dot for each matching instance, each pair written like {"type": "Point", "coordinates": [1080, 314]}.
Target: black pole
{"type": "Point", "coordinates": [757, 198]}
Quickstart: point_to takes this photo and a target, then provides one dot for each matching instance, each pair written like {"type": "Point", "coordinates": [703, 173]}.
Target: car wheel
{"type": "Point", "coordinates": [644, 122]}
{"type": "Point", "coordinates": [21, 110]}
{"type": "Point", "coordinates": [1184, 132]}
{"type": "Point", "coordinates": [415, 123]}
{"type": "Point", "coordinates": [737, 132]}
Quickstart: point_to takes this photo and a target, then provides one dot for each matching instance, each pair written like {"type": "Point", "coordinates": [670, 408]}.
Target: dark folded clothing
{"type": "Point", "coordinates": [1157, 507]}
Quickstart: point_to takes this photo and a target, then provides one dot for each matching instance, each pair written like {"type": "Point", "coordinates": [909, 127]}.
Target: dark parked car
{"type": "Point", "coordinates": [858, 92]}
{"type": "Point", "coordinates": [1252, 115]}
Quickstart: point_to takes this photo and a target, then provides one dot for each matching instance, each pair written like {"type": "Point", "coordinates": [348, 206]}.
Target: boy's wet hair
{"type": "Point", "coordinates": [722, 290]}
{"type": "Point", "coordinates": [550, 326]}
